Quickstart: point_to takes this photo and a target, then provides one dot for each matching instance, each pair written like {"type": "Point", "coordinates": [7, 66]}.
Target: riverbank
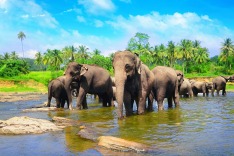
{"type": "Point", "coordinates": [14, 87]}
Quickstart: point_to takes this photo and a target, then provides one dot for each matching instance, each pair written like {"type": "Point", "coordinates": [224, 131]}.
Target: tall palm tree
{"type": "Point", "coordinates": [163, 54]}
{"type": "Point", "coordinates": [21, 36]}
{"type": "Point", "coordinates": [171, 49]}
{"type": "Point", "coordinates": [39, 59]}
{"type": "Point", "coordinates": [68, 54]}
{"type": "Point", "coordinates": [227, 50]}
{"type": "Point", "coordinates": [186, 52]}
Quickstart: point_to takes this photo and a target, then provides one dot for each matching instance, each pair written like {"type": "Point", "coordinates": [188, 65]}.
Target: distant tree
{"type": "Point", "coordinates": [6, 56]}
{"type": "Point", "coordinates": [22, 36]}
{"type": "Point", "coordinates": [39, 59]}
{"type": "Point", "coordinates": [83, 52]}
{"type": "Point", "coordinates": [96, 52]}
{"type": "Point", "coordinates": [53, 58]}
{"type": "Point", "coordinates": [14, 55]}
{"type": "Point", "coordinates": [185, 48]}
{"type": "Point", "coordinates": [227, 52]}
{"type": "Point", "coordinates": [171, 50]}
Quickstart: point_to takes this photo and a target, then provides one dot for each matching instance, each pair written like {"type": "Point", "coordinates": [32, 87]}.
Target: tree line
{"type": "Point", "coordinates": [187, 55]}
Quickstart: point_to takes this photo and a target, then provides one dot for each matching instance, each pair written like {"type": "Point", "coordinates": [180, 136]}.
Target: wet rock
{"type": "Point", "coordinates": [26, 125]}
{"type": "Point", "coordinates": [64, 122]}
{"type": "Point", "coordinates": [88, 132]}
{"type": "Point", "coordinates": [119, 144]}
{"type": "Point", "coordinates": [42, 109]}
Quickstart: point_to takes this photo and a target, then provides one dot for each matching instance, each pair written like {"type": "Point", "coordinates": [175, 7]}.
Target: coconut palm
{"type": "Point", "coordinates": [14, 55]}
{"type": "Point", "coordinates": [68, 54]}
{"type": "Point", "coordinates": [6, 56]}
{"type": "Point", "coordinates": [96, 52]}
{"type": "Point", "coordinates": [53, 58]}
{"type": "Point", "coordinates": [227, 51]}
{"type": "Point", "coordinates": [83, 52]}
{"type": "Point", "coordinates": [39, 59]}
{"type": "Point", "coordinates": [171, 50]}
{"type": "Point", "coordinates": [22, 36]}
{"type": "Point", "coordinates": [185, 48]}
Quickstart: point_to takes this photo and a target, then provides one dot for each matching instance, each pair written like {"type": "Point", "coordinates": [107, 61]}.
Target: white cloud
{"type": "Point", "coordinates": [97, 6]}
{"type": "Point", "coordinates": [81, 19]}
{"type": "Point", "coordinates": [98, 23]}
{"type": "Point", "coordinates": [163, 28]}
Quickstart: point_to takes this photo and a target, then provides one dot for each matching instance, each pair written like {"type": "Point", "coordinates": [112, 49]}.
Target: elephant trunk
{"type": "Point", "coordinates": [120, 80]}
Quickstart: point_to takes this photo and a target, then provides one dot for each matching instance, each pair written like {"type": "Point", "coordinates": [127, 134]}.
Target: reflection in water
{"type": "Point", "coordinates": [200, 126]}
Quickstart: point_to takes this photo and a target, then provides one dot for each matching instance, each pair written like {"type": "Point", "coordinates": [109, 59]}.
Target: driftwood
{"type": "Point", "coordinates": [119, 144]}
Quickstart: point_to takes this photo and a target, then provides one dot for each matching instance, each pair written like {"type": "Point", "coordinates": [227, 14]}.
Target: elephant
{"type": "Point", "coordinates": [186, 89]}
{"type": "Point", "coordinates": [165, 86]}
{"type": "Point", "coordinates": [180, 77]}
{"type": "Point", "coordinates": [133, 81]}
{"type": "Point", "coordinates": [219, 83]}
{"type": "Point", "coordinates": [201, 87]}
{"type": "Point", "coordinates": [92, 79]}
{"type": "Point", "coordinates": [57, 90]}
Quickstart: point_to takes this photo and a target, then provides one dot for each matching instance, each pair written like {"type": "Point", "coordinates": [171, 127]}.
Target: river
{"type": "Point", "coordinates": [200, 126]}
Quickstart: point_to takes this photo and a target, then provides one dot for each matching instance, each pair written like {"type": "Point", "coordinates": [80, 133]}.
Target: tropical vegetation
{"type": "Point", "coordinates": [186, 55]}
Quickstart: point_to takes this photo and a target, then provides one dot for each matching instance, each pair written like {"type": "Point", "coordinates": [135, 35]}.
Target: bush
{"type": "Point", "coordinates": [9, 68]}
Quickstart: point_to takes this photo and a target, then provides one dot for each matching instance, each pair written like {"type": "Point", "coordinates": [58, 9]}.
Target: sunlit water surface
{"type": "Point", "coordinates": [200, 126]}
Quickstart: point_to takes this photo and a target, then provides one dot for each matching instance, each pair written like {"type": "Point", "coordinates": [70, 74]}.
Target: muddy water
{"type": "Point", "coordinates": [200, 126]}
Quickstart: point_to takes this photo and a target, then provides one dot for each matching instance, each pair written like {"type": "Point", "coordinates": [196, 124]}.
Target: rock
{"type": "Point", "coordinates": [88, 132]}
{"type": "Point", "coordinates": [119, 144]}
{"type": "Point", "coordinates": [43, 109]}
{"type": "Point", "coordinates": [26, 125]}
{"type": "Point", "coordinates": [64, 122]}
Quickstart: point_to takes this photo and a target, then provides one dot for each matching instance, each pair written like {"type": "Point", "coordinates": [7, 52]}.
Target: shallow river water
{"type": "Point", "coordinates": [200, 126]}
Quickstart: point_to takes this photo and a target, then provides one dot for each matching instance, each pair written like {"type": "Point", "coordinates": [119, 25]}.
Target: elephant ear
{"type": "Point", "coordinates": [83, 70]}
{"type": "Point", "coordinates": [138, 64]}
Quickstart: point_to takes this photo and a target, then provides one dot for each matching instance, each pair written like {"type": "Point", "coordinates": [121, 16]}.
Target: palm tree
{"type": "Point", "coordinates": [53, 58]}
{"type": "Point", "coordinates": [186, 52]}
{"type": "Point", "coordinates": [171, 49]}
{"type": "Point", "coordinates": [13, 55]}
{"type": "Point", "coordinates": [96, 52]}
{"type": "Point", "coordinates": [83, 51]}
{"type": "Point", "coordinates": [201, 56]}
{"type": "Point", "coordinates": [68, 54]}
{"type": "Point", "coordinates": [163, 56]}
{"type": "Point", "coordinates": [21, 36]}
{"type": "Point", "coordinates": [6, 56]}
{"type": "Point", "coordinates": [39, 59]}
{"type": "Point", "coordinates": [227, 50]}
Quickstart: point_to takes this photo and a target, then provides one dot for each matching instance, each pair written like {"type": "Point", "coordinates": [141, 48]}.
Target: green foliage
{"type": "Point", "coordinates": [9, 68]}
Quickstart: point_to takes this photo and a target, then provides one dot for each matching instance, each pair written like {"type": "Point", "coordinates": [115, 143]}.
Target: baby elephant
{"type": "Point", "coordinates": [56, 89]}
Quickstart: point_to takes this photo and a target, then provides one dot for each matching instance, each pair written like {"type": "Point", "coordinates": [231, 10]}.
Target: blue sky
{"type": "Point", "coordinates": [109, 24]}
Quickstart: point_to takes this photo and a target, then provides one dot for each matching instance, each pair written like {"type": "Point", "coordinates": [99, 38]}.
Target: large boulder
{"type": "Point", "coordinates": [26, 125]}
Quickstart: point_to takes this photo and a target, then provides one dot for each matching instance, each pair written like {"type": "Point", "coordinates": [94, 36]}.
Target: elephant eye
{"type": "Point", "coordinates": [128, 68]}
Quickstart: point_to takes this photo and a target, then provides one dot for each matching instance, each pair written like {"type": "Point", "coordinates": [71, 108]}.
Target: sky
{"type": "Point", "coordinates": [108, 25]}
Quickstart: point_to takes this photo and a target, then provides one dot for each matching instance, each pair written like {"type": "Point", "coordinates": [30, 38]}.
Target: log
{"type": "Point", "coordinates": [122, 145]}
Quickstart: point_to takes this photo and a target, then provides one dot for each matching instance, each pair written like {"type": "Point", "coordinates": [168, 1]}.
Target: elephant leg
{"type": "Point", "coordinates": [160, 103]}
{"type": "Point", "coordinates": [150, 102]}
{"type": "Point", "coordinates": [84, 103]}
{"type": "Point", "coordinates": [58, 102]}
{"type": "Point", "coordinates": [224, 91]}
{"type": "Point", "coordinates": [80, 99]}
{"type": "Point", "coordinates": [49, 101]}
{"type": "Point", "coordinates": [63, 102]}
{"type": "Point", "coordinates": [128, 104]}
{"type": "Point", "coordinates": [142, 101]}
{"type": "Point", "coordinates": [169, 100]}
{"type": "Point", "coordinates": [217, 92]}
{"type": "Point", "coordinates": [104, 102]}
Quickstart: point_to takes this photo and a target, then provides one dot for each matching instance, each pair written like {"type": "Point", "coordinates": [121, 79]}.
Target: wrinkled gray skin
{"type": "Point", "coordinates": [95, 80]}
{"type": "Point", "coordinates": [186, 89]}
{"type": "Point", "coordinates": [165, 86]}
{"type": "Point", "coordinates": [57, 90]}
{"type": "Point", "coordinates": [201, 87]}
{"type": "Point", "coordinates": [219, 83]}
{"type": "Point", "coordinates": [133, 82]}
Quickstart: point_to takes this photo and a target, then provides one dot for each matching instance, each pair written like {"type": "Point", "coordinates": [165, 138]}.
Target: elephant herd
{"type": "Point", "coordinates": [133, 82]}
